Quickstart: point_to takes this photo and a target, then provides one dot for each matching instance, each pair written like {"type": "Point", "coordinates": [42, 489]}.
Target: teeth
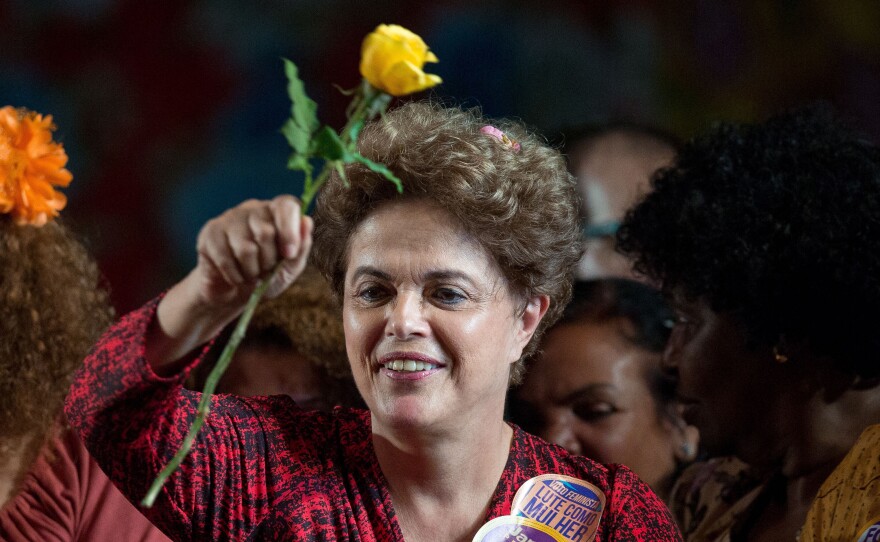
{"type": "Point", "coordinates": [409, 365]}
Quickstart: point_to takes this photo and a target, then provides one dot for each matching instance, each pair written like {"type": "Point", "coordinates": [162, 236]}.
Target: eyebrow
{"type": "Point", "coordinates": [369, 271]}
{"type": "Point", "coordinates": [586, 391]}
{"type": "Point", "coordinates": [439, 274]}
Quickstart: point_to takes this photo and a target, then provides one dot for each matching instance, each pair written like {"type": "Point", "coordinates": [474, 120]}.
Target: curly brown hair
{"type": "Point", "coordinates": [53, 306]}
{"type": "Point", "coordinates": [520, 205]}
{"type": "Point", "coordinates": [309, 314]}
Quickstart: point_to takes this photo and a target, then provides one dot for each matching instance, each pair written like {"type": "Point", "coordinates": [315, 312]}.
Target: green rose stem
{"type": "Point", "coordinates": [365, 105]}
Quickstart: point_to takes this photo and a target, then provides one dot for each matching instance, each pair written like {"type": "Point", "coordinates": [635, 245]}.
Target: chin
{"type": "Point", "coordinates": [404, 413]}
{"type": "Point", "coordinates": [717, 444]}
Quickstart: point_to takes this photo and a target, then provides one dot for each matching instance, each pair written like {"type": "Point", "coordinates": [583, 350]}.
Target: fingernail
{"type": "Point", "coordinates": [290, 250]}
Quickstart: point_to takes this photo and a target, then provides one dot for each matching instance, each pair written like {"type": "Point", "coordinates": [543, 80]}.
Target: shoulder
{"type": "Point", "coordinates": [849, 499]}
{"type": "Point", "coordinates": [534, 456]}
{"type": "Point", "coordinates": [65, 495]}
{"type": "Point", "coordinates": [631, 506]}
{"type": "Point", "coordinates": [713, 494]}
{"type": "Point", "coordinates": [861, 466]}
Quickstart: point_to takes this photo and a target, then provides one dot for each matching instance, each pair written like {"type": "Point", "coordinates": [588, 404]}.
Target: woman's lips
{"type": "Point", "coordinates": [689, 409]}
{"type": "Point", "coordinates": [408, 365]}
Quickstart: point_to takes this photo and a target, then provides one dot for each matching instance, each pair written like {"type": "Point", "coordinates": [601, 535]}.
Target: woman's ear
{"type": "Point", "coordinates": [689, 443]}
{"type": "Point", "coordinates": [531, 316]}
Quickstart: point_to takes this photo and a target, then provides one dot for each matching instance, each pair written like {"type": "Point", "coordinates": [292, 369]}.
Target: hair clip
{"type": "Point", "coordinates": [500, 136]}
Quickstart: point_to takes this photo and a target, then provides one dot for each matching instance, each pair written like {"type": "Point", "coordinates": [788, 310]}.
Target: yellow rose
{"type": "Point", "coordinates": [392, 59]}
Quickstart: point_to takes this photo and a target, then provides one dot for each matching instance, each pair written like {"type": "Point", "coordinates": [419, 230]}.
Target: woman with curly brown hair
{"type": "Point", "coordinates": [52, 309]}
{"type": "Point", "coordinates": [767, 238]}
{"type": "Point", "coordinates": [53, 306]}
{"type": "Point", "coordinates": [445, 289]}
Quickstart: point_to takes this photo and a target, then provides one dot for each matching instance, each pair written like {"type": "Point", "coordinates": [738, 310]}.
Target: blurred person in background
{"type": "Point", "coordinates": [597, 389]}
{"type": "Point", "coordinates": [767, 239]}
{"type": "Point", "coordinates": [613, 164]}
{"type": "Point", "coordinates": [295, 346]}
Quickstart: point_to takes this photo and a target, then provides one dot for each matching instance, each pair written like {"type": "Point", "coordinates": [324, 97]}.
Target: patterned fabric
{"type": "Point", "coordinates": [711, 498]}
{"type": "Point", "coordinates": [848, 505]}
{"type": "Point", "coordinates": [263, 469]}
{"type": "Point", "coordinates": [66, 498]}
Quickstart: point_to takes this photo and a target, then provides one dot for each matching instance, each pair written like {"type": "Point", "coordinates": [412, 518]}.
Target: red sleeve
{"type": "Point", "coordinates": [133, 421]}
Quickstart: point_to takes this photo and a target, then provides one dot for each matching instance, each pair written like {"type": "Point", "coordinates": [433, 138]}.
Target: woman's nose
{"type": "Point", "coordinates": [407, 318]}
{"type": "Point", "coordinates": [559, 431]}
{"type": "Point", "coordinates": [669, 361]}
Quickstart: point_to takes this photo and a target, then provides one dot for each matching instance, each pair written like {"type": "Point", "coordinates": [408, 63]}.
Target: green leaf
{"type": "Point", "coordinates": [381, 169]}
{"type": "Point", "coordinates": [340, 169]}
{"type": "Point", "coordinates": [297, 137]}
{"type": "Point", "coordinates": [303, 112]}
{"type": "Point", "coordinates": [300, 162]}
{"type": "Point", "coordinates": [355, 131]}
{"type": "Point", "coordinates": [327, 144]}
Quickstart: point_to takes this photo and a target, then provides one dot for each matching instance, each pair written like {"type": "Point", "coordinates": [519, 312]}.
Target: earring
{"type": "Point", "coordinates": [778, 356]}
{"type": "Point", "coordinates": [686, 449]}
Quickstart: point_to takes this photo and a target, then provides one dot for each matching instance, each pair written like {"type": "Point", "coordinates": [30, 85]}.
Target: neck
{"type": "Point", "coordinates": [445, 477]}
{"type": "Point", "coordinates": [825, 436]}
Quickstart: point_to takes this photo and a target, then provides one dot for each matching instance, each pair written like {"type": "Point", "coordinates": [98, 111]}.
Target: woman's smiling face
{"type": "Point", "coordinates": [431, 326]}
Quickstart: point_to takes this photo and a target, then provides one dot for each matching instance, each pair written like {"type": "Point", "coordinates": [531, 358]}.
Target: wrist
{"type": "Point", "coordinates": [185, 320]}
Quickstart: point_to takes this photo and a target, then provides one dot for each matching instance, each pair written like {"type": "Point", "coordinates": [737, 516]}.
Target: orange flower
{"type": "Point", "coordinates": [31, 165]}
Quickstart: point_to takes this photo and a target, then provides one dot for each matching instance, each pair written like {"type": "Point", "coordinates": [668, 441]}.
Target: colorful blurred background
{"type": "Point", "coordinates": [170, 110]}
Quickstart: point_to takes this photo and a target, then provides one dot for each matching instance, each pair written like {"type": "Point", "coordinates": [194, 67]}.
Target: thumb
{"type": "Point", "coordinates": [290, 269]}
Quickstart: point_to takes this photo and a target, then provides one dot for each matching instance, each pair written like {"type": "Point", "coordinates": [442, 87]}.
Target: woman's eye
{"type": "Point", "coordinates": [448, 296]}
{"type": "Point", "coordinates": [590, 412]}
{"type": "Point", "coordinates": [371, 293]}
{"type": "Point", "coordinates": [683, 329]}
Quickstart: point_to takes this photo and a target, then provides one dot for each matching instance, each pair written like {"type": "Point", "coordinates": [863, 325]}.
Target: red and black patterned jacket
{"type": "Point", "coordinates": [263, 469]}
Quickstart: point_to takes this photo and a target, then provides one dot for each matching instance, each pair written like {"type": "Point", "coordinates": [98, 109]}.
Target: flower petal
{"type": "Point", "coordinates": [31, 166]}
{"type": "Point", "coordinates": [404, 78]}
{"type": "Point", "coordinates": [392, 59]}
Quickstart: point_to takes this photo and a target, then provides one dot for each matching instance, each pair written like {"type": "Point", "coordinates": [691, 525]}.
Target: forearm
{"type": "Point", "coordinates": [255, 241]}
{"type": "Point", "coordinates": [183, 323]}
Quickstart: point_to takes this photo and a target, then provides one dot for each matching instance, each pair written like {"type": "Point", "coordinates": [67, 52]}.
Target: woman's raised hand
{"type": "Point", "coordinates": [235, 250]}
{"type": "Point", "coordinates": [246, 243]}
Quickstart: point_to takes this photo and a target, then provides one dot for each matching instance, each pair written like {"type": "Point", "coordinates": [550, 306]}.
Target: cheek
{"type": "Point", "coordinates": [600, 442]}
{"type": "Point", "coordinates": [351, 328]}
{"type": "Point", "coordinates": [480, 341]}
{"type": "Point", "coordinates": [610, 435]}
{"type": "Point", "coordinates": [362, 331]}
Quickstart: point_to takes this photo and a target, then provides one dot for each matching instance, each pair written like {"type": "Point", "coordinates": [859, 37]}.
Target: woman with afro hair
{"type": "Point", "coordinates": [767, 239]}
